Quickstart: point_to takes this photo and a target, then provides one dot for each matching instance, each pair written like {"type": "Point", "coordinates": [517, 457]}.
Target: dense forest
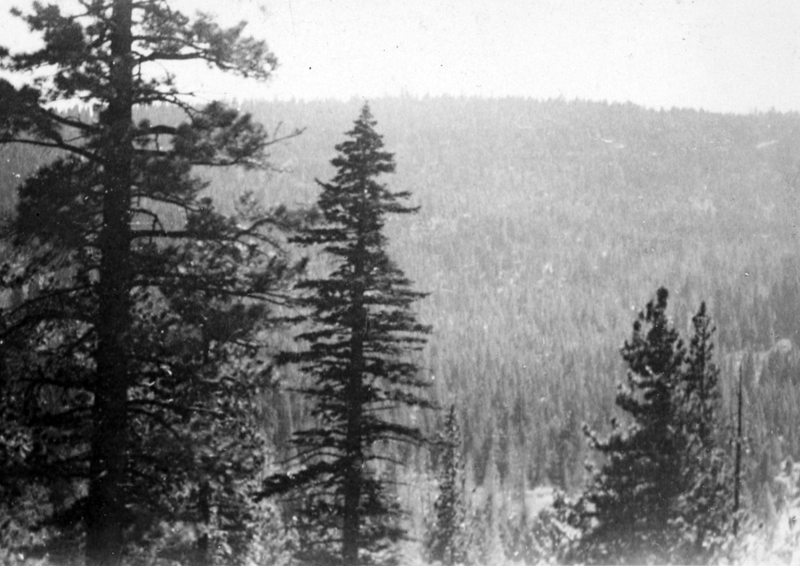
{"type": "Point", "coordinates": [543, 229]}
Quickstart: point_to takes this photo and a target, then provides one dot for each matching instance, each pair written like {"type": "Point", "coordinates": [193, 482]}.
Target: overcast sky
{"type": "Point", "coordinates": [720, 55]}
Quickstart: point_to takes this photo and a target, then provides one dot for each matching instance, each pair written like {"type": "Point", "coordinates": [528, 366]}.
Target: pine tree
{"type": "Point", "coordinates": [664, 493]}
{"type": "Point", "coordinates": [627, 512]}
{"type": "Point", "coordinates": [707, 507]}
{"type": "Point", "coordinates": [124, 365]}
{"type": "Point", "coordinates": [446, 538]}
{"type": "Point", "coordinates": [361, 331]}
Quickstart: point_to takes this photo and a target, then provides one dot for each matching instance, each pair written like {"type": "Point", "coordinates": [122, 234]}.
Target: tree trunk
{"type": "Point", "coordinates": [105, 518]}
{"type": "Point", "coordinates": [352, 482]}
{"type": "Point", "coordinates": [353, 443]}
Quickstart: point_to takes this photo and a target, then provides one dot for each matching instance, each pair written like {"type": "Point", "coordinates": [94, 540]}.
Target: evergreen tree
{"type": "Point", "coordinates": [125, 371]}
{"type": "Point", "coordinates": [707, 507]}
{"type": "Point", "coordinates": [446, 539]}
{"type": "Point", "coordinates": [361, 330]}
{"type": "Point", "coordinates": [664, 493]}
{"type": "Point", "coordinates": [628, 511]}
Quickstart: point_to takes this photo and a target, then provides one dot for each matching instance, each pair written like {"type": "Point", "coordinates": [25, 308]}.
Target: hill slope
{"type": "Point", "coordinates": [544, 227]}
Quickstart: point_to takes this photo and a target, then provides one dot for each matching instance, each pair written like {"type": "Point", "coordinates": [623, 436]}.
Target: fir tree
{"type": "Point", "coordinates": [446, 539]}
{"type": "Point", "coordinates": [361, 331]}
{"type": "Point", "coordinates": [124, 363]}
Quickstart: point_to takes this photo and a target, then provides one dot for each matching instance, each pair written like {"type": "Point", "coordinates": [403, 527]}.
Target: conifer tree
{"type": "Point", "coordinates": [447, 538]}
{"type": "Point", "coordinates": [700, 393]}
{"type": "Point", "coordinates": [628, 509]}
{"type": "Point", "coordinates": [706, 509]}
{"type": "Point", "coordinates": [124, 361]}
{"type": "Point", "coordinates": [663, 495]}
{"type": "Point", "coordinates": [361, 332]}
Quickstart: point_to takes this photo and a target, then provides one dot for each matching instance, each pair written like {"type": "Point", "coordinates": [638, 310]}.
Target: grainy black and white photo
{"type": "Point", "coordinates": [399, 282]}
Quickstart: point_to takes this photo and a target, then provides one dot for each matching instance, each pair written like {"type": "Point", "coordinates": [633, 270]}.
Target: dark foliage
{"type": "Point", "coordinates": [361, 331]}
{"type": "Point", "coordinates": [128, 361]}
{"type": "Point", "coordinates": [537, 233]}
{"type": "Point", "coordinates": [649, 502]}
{"type": "Point", "coordinates": [707, 508]}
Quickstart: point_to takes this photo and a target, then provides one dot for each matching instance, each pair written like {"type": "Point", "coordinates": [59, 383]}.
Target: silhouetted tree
{"type": "Point", "coordinates": [664, 492]}
{"type": "Point", "coordinates": [628, 511]}
{"type": "Point", "coordinates": [361, 332]}
{"type": "Point", "coordinates": [124, 373]}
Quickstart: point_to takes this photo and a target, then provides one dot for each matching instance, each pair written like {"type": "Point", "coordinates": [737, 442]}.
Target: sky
{"type": "Point", "coordinates": [720, 55]}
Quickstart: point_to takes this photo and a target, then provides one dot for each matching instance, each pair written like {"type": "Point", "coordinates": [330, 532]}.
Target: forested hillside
{"type": "Point", "coordinates": [544, 226]}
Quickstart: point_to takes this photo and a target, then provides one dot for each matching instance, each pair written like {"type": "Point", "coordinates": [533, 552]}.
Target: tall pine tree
{"type": "Point", "coordinates": [627, 513]}
{"type": "Point", "coordinates": [123, 361]}
{"type": "Point", "coordinates": [361, 332]}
